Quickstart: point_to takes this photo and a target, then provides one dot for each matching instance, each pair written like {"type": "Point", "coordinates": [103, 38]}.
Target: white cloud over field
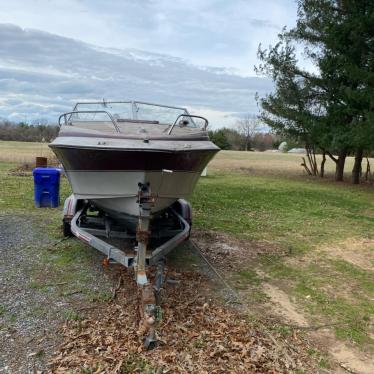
{"type": "Point", "coordinates": [197, 54]}
{"type": "Point", "coordinates": [42, 75]}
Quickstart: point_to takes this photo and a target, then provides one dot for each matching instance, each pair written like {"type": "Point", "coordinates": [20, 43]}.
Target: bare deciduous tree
{"type": "Point", "coordinates": [25, 132]}
{"type": "Point", "coordinates": [248, 127]}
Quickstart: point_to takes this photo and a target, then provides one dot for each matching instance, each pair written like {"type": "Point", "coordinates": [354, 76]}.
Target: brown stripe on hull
{"type": "Point", "coordinates": [117, 136]}
{"type": "Point", "coordinates": [110, 159]}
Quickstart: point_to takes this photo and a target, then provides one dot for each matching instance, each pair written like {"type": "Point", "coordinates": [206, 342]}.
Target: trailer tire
{"type": "Point", "coordinates": [66, 228]}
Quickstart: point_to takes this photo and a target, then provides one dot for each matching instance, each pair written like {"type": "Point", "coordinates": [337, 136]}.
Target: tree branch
{"type": "Point", "coordinates": [331, 156]}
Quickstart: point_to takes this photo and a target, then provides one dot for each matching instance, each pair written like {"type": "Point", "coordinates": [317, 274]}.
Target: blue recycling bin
{"type": "Point", "coordinates": [46, 187]}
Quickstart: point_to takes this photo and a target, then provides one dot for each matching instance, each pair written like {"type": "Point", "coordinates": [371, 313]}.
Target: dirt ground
{"type": "Point", "coordinates": [357, 252]}
{"type": "Point", "coordinates": [278, 307]}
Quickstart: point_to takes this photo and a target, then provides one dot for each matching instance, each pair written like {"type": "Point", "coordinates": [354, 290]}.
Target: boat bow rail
{"type": "Point", "coordinates": [67, 122]}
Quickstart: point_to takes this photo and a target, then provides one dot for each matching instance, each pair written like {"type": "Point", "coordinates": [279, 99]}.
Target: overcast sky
{"type": "Point", "coordinates": [198, 54]}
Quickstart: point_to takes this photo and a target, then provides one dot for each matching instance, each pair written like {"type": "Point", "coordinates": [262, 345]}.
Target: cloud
{"type": "Point", "coordinates": [42, 75]}
{"type": "Point", "coordinates": [210, 32]}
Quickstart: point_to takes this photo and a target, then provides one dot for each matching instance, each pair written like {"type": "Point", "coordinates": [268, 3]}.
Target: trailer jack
{"type": "Point", "coordinates": [147, 305]}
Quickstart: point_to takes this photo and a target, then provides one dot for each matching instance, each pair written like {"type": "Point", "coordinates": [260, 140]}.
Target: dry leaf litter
{"type": "Point", "coordinates": [196, 335]}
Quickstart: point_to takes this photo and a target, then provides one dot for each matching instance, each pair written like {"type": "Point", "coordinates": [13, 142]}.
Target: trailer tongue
{"type": "Point", "coordinates": [111, 237]}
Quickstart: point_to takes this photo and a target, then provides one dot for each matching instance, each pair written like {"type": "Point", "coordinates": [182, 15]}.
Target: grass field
{"type": "Point", "coordinates": [272, 164]}
{"type": "Point", "coordinates": [324, 231]}
{"type": "Point", "coordinates": [317, 223]}
{"type": "Point", "coordinates": [23, 152]}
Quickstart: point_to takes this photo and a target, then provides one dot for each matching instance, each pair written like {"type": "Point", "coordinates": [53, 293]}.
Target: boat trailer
{"type": "Point", "coordinates": [107, 234]}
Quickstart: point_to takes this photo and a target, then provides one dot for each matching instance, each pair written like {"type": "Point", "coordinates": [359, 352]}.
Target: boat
{"type": "Point", "coordinates": [108, 149]}
{"type": "Point", "coordinates": [131, 166]}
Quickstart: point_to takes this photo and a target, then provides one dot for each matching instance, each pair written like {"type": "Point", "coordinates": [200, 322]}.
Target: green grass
{"type": "Point", "coordinates": [89, 370]}
{"type": "Point", "coordinates": [250, 282]}
{"type": "Point", "coordinates": [17, 193]}
{"type": "Point", "coordinates": [292, 212]}
{"type": "Point", "coordinates": [99, 296]}
{"type": "Point", "coordinates": [38, 311]}
{"type": "Point", "coordinates": [63, 270]}
{"type": "Point", "coordinates": [136, 364]}
{"type": "Point", "coordinates": [69, 253]}
{"type": "Point", "coordinates": [297, 215]}
{"type": "Point", "coordinates": [250, 276]}
{"type": "Point", "coordinates": [333, 292]}
{"type": "Point", "coordinates": [71, 315]}
{"type": "Point", "coordinates": [350, 319]}
{"type": "Point", "coordinates": [184, 257]}
{"type": "Point", "coordinates": [321, 358]}
{"type": "Point", "coordinates": [363, 278]}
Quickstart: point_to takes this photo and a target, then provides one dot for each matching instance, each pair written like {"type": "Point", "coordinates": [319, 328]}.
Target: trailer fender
{"type": "Point", "coordinates": [183, 207]}
{"type": "Point", "coordinates": [70, 208]}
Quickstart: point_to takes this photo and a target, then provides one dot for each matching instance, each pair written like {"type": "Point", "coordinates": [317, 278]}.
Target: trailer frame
{"type": "Point", "coordinates": [98, 230]}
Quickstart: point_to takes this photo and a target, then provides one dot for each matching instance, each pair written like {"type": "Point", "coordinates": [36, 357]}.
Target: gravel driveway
{"type": "Point", "coordinates": [40, 286]}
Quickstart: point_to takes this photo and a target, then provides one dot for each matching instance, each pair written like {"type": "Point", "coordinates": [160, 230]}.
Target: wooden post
{"type": "Point", "coordinates": [41, 162]}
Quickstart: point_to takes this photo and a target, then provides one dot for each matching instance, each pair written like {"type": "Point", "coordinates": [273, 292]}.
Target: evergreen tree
{"type": "Point", "coordinates": [219, 138]}
{"type": "Point", "coordinates": [333, 108]}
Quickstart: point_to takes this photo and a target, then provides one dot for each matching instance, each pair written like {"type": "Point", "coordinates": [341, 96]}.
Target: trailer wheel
{"type": "Point", "coordinates": [66, 228]}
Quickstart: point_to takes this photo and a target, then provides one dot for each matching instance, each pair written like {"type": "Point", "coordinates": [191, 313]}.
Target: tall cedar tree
{"type": "Point", "coordinates": [332, 109]}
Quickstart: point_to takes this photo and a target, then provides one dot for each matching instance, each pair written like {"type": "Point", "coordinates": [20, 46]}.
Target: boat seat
{"type": "Point", "coordinates": [139, 128]}
{"type": "Point", "coordinates": [102, 126]}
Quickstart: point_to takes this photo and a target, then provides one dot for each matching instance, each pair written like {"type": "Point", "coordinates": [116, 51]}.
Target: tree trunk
{"type": "Point", "coordinates": [305, 166]}
{"type": "Point", "coordinates": [340, 163]}
{"type": "Point", "coordinates": [356, 171]}
{"type": "Point", "coordinates": [316, 172]}
{"type": "Point", "coordinates": [313, 166]}
{"type": "Point", "coordinates": [367, 173]}
{"type": "Point", "coordinates": [323, 165]}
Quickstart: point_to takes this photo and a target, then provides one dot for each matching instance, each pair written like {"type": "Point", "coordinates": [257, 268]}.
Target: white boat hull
{"type": "Point", "coordinates": [108, 168]}
{"type": "Point", "coordinates": [117, 191]}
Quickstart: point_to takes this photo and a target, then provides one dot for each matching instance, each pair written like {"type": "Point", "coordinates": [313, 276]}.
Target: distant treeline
{"type": "Point", "coordinates": [236, 140]}
{"type": "Point", "coordinates": [27, 133]}
{"type": "Point", "coordinates": [240, 138]}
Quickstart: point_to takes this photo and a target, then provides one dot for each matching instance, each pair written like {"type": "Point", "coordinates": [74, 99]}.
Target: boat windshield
{"type": "Point", "coordinates": [128, 111]}
{"type": "Point", "coordinates": [120, 116]}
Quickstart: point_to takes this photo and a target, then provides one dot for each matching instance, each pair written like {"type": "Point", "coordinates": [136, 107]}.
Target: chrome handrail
{"type": "Point", "coordinates": [190, 116]}
{"type": "Point", "coordinates": [104, 103]}
{"type": "Point", "coordinates": [127, 102]}
{"type": "Point", "coordinates": [87, 111]}
{"type": "Point", "coordinates": [161, 105]}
